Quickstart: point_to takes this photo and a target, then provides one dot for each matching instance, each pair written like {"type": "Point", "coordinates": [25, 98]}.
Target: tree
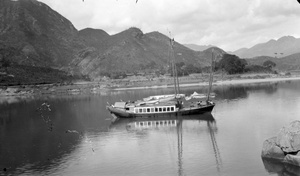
{"type": "Point", "coordinates": [232, 64]}
{"type": "Point", "coordinates": [190, 68]}
{"type": "Point", "coordinates": [269, 64]}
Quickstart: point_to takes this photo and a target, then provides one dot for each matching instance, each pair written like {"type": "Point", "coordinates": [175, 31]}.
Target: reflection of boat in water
{"type": "Point", "coordinates": [152, 124]}
{"type": "Point", "coordinates": [162, 105]}
{"type": "Point", "coordinates": [157, 122]}
{"type": "Point", "coordinates": [173, 124]}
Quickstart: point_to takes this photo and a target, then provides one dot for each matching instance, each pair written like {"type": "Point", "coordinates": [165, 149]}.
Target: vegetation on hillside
{"type": "Point", "coordinates": [13, 73]}
{"type": "Point", "coordinates": [269, 63]}
{"type": "Point", "coordinates": [24, 75]}
{"type": "Point", "coordinates": [232, 64]}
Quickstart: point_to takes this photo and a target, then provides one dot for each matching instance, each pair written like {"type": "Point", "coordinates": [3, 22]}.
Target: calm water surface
{"type": "Point", "coordinates": [74, 135]}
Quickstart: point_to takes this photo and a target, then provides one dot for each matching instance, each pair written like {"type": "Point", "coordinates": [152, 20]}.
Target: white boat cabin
{"type": "Point", "coordinates": [154, 109]}
{"type": "Point", "coordinates": [165, 107]}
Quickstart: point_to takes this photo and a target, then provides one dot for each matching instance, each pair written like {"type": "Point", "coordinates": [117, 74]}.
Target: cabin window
{"type": "Point", "coordinates": [149, 123]}
{"type": "Point", "coordinates": [152, 109]}
{"type": "Point", "coordinates": [161, 122]}
{"type": "Point", "coordinates": [140, 110]}
{"type": "Point", "coordinates": [156, 109]}
{"type": "Point", "coordinates": [168, 108]}
{"type": "Point", "coordinates": [136, 110]}
{"type": "Point", "coordinates": [144, 109]}
{"type": "Point", "coordinates": [148, 109]}
{"type": "Point", "coordinates": [172, 108]}
{"type": "Point", "coordinates": [141, 124]}
{"type": "Point", "coordinates": [164, 109]}
{"type": "Point", "coordinates": [157, 123]}
{"type": "Point", "coordinates": [160, 109]}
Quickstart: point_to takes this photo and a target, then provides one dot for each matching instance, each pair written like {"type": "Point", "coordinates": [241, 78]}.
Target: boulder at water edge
{"type": "Point", "coordinates": [271, 150]}
{"type": "Point", "coordinates": [285, 146]}
{"type": "Point", "coordinates": [289, 138]}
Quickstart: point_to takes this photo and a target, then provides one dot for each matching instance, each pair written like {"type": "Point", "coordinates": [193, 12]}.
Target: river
{"type": "Point", "coordinates": [75, 134]}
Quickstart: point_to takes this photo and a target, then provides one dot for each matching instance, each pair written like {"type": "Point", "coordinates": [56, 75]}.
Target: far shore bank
{"type": "Point", "coordinates": [24, 91]}
{"type": "Point", "coordinates": [216, 83]}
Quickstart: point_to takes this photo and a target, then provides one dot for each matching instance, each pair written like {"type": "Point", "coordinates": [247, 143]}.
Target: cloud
{"type": "Point", "coordinates": [229, 24]}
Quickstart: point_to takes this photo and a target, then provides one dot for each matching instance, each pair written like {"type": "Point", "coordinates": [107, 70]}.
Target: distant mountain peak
{"type": "Point", "coordinates": [271, 41]}
{"type": "Point", "coordinates": [198, 47]}
{"type": "Point", "coordinates": [215, 50]}
{"type": "Point", "coordinates": [134, 31]}
{"type": "Point", "coordinates": [285, 45]}
{"type": "Point", "coordinates": [286, 38]}
{"type": "Point", "coordinates": [91, 32]}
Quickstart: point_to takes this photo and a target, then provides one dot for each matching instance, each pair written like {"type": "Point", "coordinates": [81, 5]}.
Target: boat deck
{"type": "Point", "coordinates": [145, 104]}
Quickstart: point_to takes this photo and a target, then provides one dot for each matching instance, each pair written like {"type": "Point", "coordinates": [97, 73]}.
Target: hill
{"type": "Point", "coordinates": [133, 51]}
{"type": "Point", "coordinates": [36, 37]}
{"type": "Point", "coordinates": [282, 47]}
{"type": "Point", "coordinates": [287, 63]}
{"type": "Point", "coordinates": [39, 35]}
{"type": "Point", "coordinates": [32, 34]}
{"type": "Point", "coordinates": [94, 37]}
{"type": "Point", "coordinates": [207, 54]}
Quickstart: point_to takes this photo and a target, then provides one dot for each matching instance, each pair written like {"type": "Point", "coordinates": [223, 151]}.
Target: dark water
{"type": "Point", "coordinates": [75, 135]}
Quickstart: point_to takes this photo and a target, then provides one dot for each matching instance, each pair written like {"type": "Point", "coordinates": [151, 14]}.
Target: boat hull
{"type": "Point", "coordinates": [122, 113]}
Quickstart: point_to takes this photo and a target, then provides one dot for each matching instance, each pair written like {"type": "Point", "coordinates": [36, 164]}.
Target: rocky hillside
{"type": "Point", "coordinates": [133, 51]}
{"type": "Point", "coordinates": [39, 35]}
{"type": "Point", "coordinates": [207, 54]}
{"type": "Point", "coordinates": [282, 47]}
{"type": "Point", "coordinates": [94, 37]}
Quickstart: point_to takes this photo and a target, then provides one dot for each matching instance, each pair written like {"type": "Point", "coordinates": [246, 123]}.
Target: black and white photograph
{"type": "Point", "coordinates": [150, 87]}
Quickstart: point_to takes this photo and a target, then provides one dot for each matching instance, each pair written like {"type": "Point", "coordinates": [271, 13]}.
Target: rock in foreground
{"type": "Point", "coordinates": [271, 150]}
{"type": "Point", "coordinates": [285, 147]}
{"type": "Point", "coordinates": [289, 138]}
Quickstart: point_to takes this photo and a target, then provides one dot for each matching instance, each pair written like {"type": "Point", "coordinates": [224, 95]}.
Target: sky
{"type": "Point", "coordinates": [228, 24]}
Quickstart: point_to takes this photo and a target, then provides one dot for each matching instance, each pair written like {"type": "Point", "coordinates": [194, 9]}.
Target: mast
{"type": "Point", "coordinates": [178, 91]}
{"type": "Point", "coordinates": [174, 71]}
{"type": "Point", "coordinates": [211, 74]}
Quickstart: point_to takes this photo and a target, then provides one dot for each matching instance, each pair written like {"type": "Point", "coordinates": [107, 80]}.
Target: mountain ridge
{"type": "Point", "coordinates": [132, 51]}
{"type": "Point", "coordinates": [281, 47]}
{"type": "Point", "coordinates": [39, 36]}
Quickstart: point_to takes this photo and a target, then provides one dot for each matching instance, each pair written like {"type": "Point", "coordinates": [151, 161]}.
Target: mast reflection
{"type": "Point", "coordinates": [173, 122]}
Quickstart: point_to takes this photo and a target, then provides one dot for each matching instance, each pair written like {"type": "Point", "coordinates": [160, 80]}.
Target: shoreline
{"type": "Point", "coordinates": [27, 91]}
{"type": "Point", "coordinates": [216, 83]}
